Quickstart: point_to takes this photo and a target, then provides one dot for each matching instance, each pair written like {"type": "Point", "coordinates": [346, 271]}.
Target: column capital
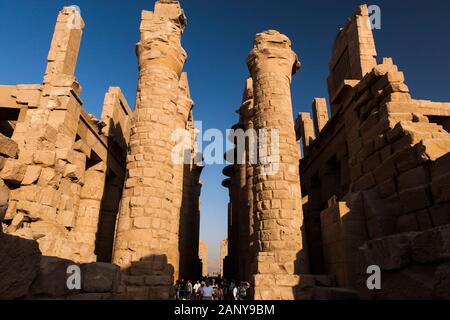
{"type": "Point", "coordinates": [160, 43]}
{"type": "Point", "coordinates": [272, 53]}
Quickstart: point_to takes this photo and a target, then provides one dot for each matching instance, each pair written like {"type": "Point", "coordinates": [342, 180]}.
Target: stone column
{"type": "Point", "coordinates": [150, 210]}
{"type": "Point", "coordinates": [185, 175]}
{"type": "Point", "coordinates": [88, 216]}
{"type": "Point", "coordinates": [277, 251]}
{"type": "Point", "coordinates": [320, 113]}
{"type": "Point", "coordinates": [306, 127]}
{"type": "Point", "coordinates": [246, 116]}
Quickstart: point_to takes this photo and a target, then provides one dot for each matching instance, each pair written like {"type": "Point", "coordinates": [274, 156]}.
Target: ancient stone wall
{"type": "Point", "coordinates": [62, 171]}
{"type": "Point", "coordinates": [58, 179]}
{"type": "Point", "coordinates": [375, 178]}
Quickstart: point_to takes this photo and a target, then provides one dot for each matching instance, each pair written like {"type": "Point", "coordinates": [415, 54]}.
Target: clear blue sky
{"type": "Point", "coordinates": [218, 38]}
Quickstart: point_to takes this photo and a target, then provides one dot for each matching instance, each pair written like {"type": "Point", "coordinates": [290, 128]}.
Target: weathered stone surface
{"type": "Point", "coordinates": [319, 293]}
{"type": "Point", "coordinates": [413, 283]}
{"type": "Point", "coordinates": [51, 280]}
{"type": "Point", "coordinates": [19, 265]}
{"type": "Point", "coordinates": [99, 277]}
{"type": "Point", "coordinates": [440, 188]}
{"type": "Point", "coordinates": [432, 245]}
{"type": "Point", "coordinates": [442, 285]}
{"type": "Point", "coordinates": [8, 147]}
{"type": "Point", "coordinates": [390, 253]}
{"type": "Point", "coordinates": [31, 175]}
{"type": "Point", "coordinates": [4, 199]}
{"type": "Point", "coordinates": [13, 171]}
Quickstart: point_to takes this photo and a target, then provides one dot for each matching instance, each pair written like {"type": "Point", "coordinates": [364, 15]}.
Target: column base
{"type": "Point", "coordinates": [275, 286]}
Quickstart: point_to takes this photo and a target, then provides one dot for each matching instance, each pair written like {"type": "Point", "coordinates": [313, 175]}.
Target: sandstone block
{"type": "Point", "coordinates": [389, 253]}
{"type": "Point", "coordinates": [142, 223]}
{"type": "Point", "coordinates": [424, 220]}
{"type": "Point", "coordinates": [36, 211]}
{"type": "Point", "coordinates": [433, 149]}
{"type": "Point", "coordinates": [386, 170]}
{"type": "Point", "coordinates": [387, 189]}
{"type": "Point", "coordinates": [440, 166]}
{"type": "Point", "coordinates": [66, 218]}
{"type": "Point", "coordinates": [441, 289]}
{"type": "Point", "coordinates": [365, 182]}
{"type": "Point", "coordinates": [134, 280]}
{"type": "Point", "coordinates": [8, 147]}
{"type": "Point", "coordinates": [51, 281]}
{"type": "Point", "coordinates": [32, 174]}
{"type": "Point", "coordinates": [440, 215]}
{"type": "Point", "coordinates": [406, 160]}
{"type": "Point", "coordinates": [137, 292]}
{"type": "Point", "coordinates": [413, 178]}
{"type": "Point", "coordinates": [412, 283]}
{"type": "Point", "coordinates": [94, 183]}
{"type": "Point", "coordinates": [19, 265]}
{"type": "Point", "coordinates": [45, 158]}
{"type": "Point", "coordinates": [13, 171]}
{"type": "Point", "coordinates": [48, 176]}
{"type": "Point", "coordinates": [4, 200]}
{"type": "Point", "coordinates": [11, 210]}
{"type": "Point", "coordinates": [2, 162]}
{"type": "Point", "coordinates": [99, 277]}
{"type": "Point", "coordinates": [16, 223]}
{"type": "Point", "coordinates": [415, 199]}
{"type": "Point", "coordinates": [158, 280]}
{"type": "Point", "coordinates": [74, 173]}
{"type": "Point", "coordinates": [407, 223]}
{"type": "Point", "coordinates": [161, 293]}
{"type": "Point", "coordinates": [432, 245]}
{"type": "Point", "coordinates": [440, 188]}
{"type": "Point", "coordinates": [81, 146]}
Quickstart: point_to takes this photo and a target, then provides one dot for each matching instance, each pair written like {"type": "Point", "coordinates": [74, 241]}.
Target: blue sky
{"type": "Point", "coordinates": [218, 38]}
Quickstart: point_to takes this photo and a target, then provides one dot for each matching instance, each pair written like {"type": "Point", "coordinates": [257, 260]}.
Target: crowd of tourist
{"type": "Point", "coordinates": [212, 289]}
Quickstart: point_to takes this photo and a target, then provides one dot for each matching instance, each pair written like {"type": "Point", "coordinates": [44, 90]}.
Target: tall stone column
{"type": "Point", "coordinates": [320, 113]}
{"type": "Point", "coordinates": [149, 218]}
{"type": "Point", "coordinates": [246, 115]}
{"type": "Point", "coordinates": [304, 128]}
{"type": "Point", "coordinates": [277, 250]}
{"type": "Point", "coordinates": [240, 189]}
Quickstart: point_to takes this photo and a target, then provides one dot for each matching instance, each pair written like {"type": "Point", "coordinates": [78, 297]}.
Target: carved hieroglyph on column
{"type": "Point", "coordinates": [277, 251]}
{"type": "Point", "coordinates": [150, 210]}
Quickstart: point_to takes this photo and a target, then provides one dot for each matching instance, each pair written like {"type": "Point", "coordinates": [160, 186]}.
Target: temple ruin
{"type": "Point", "coordinates": [363, 181]}
{"type": "Point", "coordinates": [91, 191]}
{"type": "Point", "coordinates": [374, 180]}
